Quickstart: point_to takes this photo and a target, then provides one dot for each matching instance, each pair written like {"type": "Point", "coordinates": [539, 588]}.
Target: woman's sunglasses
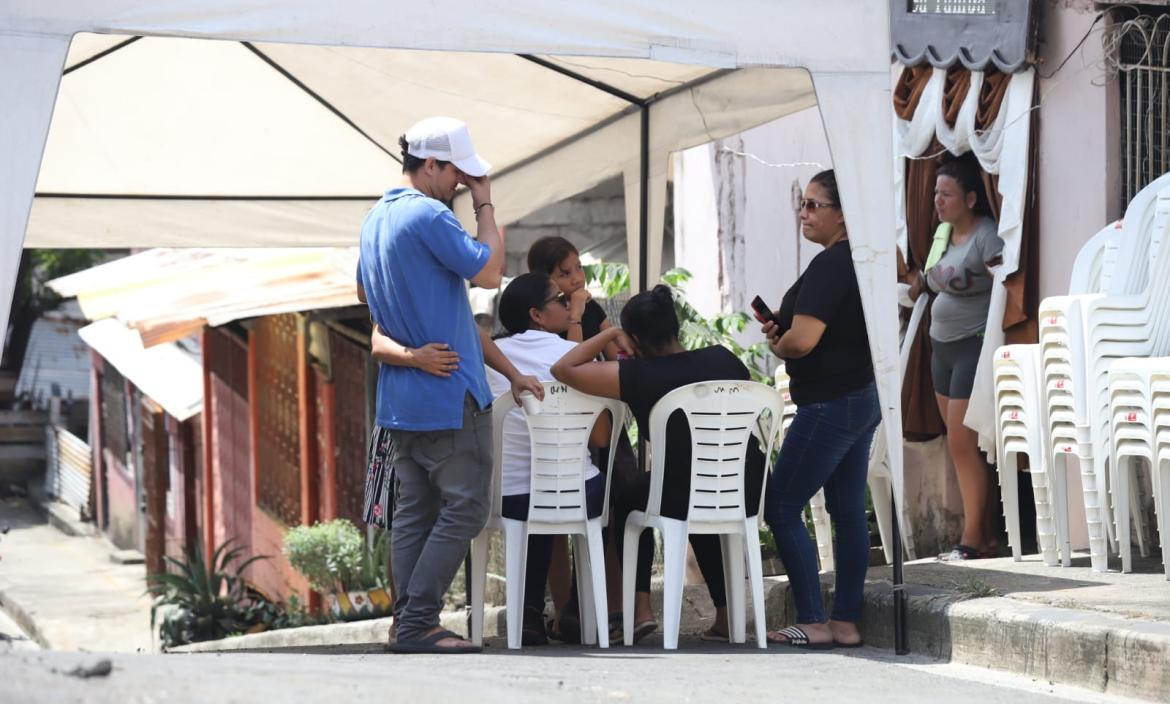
{"type": "Point", "coordinates": [561, 298]}
{"type": "Point", "coordinates": [811, 205]}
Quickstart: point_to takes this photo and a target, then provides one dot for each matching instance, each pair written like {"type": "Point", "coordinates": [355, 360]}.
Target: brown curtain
{"type": "Point", "coordinates": [920, 417]}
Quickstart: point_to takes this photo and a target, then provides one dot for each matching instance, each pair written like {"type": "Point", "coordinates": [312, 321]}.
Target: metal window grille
{"type": "Point", "coordinates": [115, 433]}
{"type": "Point", "coordinates": [953, 7]}
{"type": "Point", "coordinates": [278, 451]}
{"type": "Point", "coordinates": [1142, 47]}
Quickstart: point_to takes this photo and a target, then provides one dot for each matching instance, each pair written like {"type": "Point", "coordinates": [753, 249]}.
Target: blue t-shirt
{"type": "Point", "coordinates": [415, 257]}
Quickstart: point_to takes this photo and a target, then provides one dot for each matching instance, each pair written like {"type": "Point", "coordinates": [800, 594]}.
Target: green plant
{"type": "Point", "coordinates": [975, 588]}
{"type": "Point", "coordinates": [333, 556]}
{"type": "Point", "coordinates": [612, 277]}
{"type": "Point", "coordinates": [207, 600]}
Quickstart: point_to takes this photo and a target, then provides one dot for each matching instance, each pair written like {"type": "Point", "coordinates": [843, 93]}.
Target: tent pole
{"type": "Point", "coordinates": [901, 647]}
{"type": "Point", "coordinates": [644, 204]}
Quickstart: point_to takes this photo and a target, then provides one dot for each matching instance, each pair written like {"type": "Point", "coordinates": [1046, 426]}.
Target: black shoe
{"type": "Point", "coordinates": [532, 632]}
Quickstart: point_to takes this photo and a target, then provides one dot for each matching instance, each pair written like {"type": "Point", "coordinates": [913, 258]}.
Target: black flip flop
{"type": "Point", "coordinates": [795, 637]}
{"type": "Point", "coordinates": [430, 644]}
{"type": "Point", "coordinates": [839, 644]}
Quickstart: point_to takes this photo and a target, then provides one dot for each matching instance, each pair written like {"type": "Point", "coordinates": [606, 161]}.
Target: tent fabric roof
{"type": "Point", "coordinates": [207, 140]}
{"type": "Point", "coordinates": [169, 294]}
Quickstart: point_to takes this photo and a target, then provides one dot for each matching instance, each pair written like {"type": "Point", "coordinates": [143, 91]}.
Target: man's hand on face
{"type": "Point", "coordinates": [480, 188]}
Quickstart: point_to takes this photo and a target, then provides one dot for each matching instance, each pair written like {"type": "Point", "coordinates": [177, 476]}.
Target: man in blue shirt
{"type": "Point", "coordinates": [415, 259]}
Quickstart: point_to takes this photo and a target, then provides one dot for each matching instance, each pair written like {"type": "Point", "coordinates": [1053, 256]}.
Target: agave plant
{"type": "Point", "coordinates": [209, 601]}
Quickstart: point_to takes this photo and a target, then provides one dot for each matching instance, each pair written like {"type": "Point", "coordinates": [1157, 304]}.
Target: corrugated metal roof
{"type": "Point", "coordinates": [168, 373]}
{"type": "Point", "coordinates": [168, 294]}
{"type": "Point", "coordinates": [56, 361]}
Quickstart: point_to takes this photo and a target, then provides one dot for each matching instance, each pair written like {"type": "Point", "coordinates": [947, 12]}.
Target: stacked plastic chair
{"type": "Point", "coordinates": [1132, 431]}
{"type": "Point", "coordinates": [1160, 471]}
{"type": "Point", "coordinates": [1126, 318]}
{"type": "Point", "coordinates": [820, 514]}
{"type": "Point", "coordinates": [1021, 431]}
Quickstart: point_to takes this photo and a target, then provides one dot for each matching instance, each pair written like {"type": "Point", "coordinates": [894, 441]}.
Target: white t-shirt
{"type": "Point", "coordinates": [532, 352]}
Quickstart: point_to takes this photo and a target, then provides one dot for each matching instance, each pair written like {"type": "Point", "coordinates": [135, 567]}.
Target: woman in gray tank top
{"type": "Point", "coordinates": [963, 279]}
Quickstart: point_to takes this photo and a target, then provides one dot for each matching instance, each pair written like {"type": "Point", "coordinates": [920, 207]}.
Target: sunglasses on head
{"type": "Point", "coordinates": [811, 205]}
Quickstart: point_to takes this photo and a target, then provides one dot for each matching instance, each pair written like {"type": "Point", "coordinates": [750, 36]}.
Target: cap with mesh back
{"type": "Point", "coordinates": [446, 139]}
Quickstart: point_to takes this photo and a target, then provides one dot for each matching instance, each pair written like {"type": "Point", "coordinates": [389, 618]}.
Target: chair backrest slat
{"type": "Point", "coordinates": [721, 417]}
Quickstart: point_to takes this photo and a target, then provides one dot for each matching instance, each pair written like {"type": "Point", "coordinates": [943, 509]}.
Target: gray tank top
{"type": "Point", "coordinates": [963, 284]}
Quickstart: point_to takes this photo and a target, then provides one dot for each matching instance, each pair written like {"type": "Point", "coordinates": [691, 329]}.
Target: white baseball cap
{"type": "Point", "coordinates": [446, 139]}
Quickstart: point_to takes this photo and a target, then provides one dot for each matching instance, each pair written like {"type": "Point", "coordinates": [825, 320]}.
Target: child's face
{"type": "Point", "coordinates": [569, 275]}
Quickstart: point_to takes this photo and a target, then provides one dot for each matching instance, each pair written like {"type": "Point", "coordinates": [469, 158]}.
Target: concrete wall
{"type": "Point", "coordinates": [594, 221]}
{"type": "Point", "coordinates": [736, 226]}
{"type": "Point", "coordinates": [1079, 142]}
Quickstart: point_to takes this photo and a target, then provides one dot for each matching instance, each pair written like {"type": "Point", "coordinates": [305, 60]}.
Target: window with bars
{"type": "Point", "coordinates": [1142, 47]}
{"type": "Point", "coordinates": [115, 433]}
{"type": "Point", "coordinates": [953, 7]}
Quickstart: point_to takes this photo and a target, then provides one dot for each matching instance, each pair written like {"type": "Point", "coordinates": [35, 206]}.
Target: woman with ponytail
{"type": "Point", "coordinates": [659, 365]}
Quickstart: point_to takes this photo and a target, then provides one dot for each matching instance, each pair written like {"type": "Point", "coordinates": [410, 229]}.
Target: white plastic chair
{"type": "Point", "coordinates": [559, 438]}
{"type": "Point", "coordinates": [1129, 320]}
{"type": "Point", "coordinates": [1160, 471]}
{"type": "Point", "coordinates": [1020, 430]}
{"type": "Point", "coordinates": [721, 416]}
{"type": "Point", "coordinates": [1132, 440]}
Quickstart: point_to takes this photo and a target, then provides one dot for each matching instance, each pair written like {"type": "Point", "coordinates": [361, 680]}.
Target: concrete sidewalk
{"type": "Point", "coordinates": [64, 591]}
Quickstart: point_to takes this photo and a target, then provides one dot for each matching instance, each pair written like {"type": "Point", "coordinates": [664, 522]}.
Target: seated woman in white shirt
{"type": "Point", "coordinates": [535, 312]}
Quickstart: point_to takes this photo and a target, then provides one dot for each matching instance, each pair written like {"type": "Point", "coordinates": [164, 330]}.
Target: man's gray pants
{"type": "Point", "coordinates": [443, 481]}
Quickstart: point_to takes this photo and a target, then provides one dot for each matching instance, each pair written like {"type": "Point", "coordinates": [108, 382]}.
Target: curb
{"type": "Point", "coordinates": [23, 619]}
{"type": "Point", "coordinates": [363, 633]}
{"type": "Point", "coordinates": [1089, 649]}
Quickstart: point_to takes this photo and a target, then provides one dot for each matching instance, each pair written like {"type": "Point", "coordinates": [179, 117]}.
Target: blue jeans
{"type": "Point", "coordinates": [827, 446]}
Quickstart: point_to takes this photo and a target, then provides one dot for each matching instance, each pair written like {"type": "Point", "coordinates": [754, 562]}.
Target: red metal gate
{"type": "Point", "coordinates": [227, 361]}
{"type": "Point", "coordinates": [278, 480]}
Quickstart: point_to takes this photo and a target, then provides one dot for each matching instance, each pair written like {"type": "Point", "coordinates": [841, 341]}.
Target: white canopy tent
{"type": "Point", "coordinates": [283, 132]}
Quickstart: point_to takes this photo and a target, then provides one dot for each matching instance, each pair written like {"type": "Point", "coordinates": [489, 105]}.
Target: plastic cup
{"type": "Point", "coordinates": [530, 402]}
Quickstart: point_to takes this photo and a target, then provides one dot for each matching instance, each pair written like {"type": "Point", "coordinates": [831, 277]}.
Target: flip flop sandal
{"type": "Point", "coordinates": [430, 644]}
{"type": "Point", "coordinates": [712, 636]}
{"type": "Point", "coordinates": [643, 629]}
{"type": "Point", "coordinates": [795, 637]}
{"type": "Point", "coordinates": [839, 644]}
{"type": "Point", "coordinates": [615, 628]}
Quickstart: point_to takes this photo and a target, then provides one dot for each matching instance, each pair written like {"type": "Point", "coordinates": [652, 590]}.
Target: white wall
{"type": "Point", "coordinates": [724, 197]}
{"type": "Point", "coordinates": [1079, 144]}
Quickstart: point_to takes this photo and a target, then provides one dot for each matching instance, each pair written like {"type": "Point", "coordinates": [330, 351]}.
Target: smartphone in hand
{"type": "Point", "coordinates": [762, 311]}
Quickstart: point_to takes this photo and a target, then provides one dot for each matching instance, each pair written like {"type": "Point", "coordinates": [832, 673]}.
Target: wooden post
{"type": "Point", "coordinates": [329, 506]}
{"type": "Point", "coordinates": [95, 440]}
{"type": "Point", "coordinates": [209, 449]}
{"type": "Point", "coordinates": [307, 434]}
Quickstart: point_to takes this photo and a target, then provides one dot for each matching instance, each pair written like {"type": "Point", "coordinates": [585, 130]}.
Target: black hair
{"type": "Point", "coordinates": [828, 180]}
{"type": "Point", "coordinates": [547, 252]}
{"type": "Point", "coordinates": [411, 163]}
{"type": "Point", "coordinates": [966, 172]}
{"type": "Point", "coordinates": [650, 317]}
{"type": "Point", "coordinates": [523, 293]}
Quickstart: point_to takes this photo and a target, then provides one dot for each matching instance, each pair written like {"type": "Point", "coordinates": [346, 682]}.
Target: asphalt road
{"type": "Point", "coordinates": [699, 672]}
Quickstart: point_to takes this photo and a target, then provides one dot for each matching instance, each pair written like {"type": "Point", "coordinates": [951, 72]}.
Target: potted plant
{"type": "Point", "coordinates": [338, 562]}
